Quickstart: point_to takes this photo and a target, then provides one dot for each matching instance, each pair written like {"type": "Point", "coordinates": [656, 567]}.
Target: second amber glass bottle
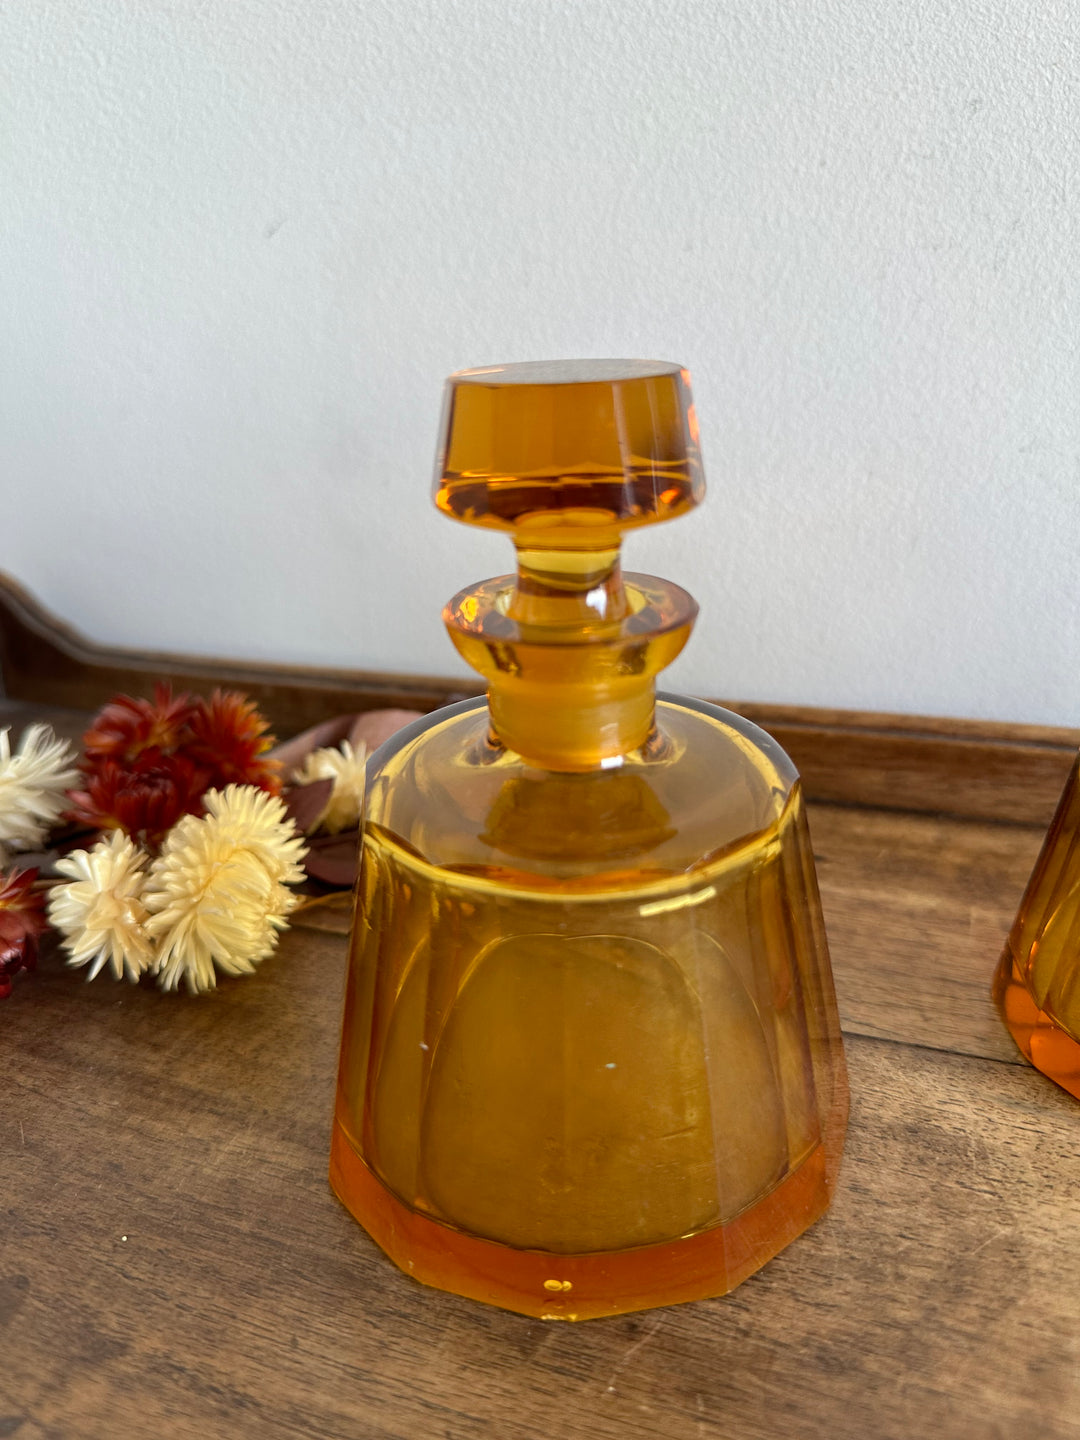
{"type": "Point", "coordinates": [591, 1059]}
{"type": "Point", "coordinates": [1037, 984]}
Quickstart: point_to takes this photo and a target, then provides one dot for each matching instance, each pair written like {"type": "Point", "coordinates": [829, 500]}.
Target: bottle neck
{"type": "Point", "coordinates": [570, 648]}
{"type": "Point", "coordinates": [573, 726]}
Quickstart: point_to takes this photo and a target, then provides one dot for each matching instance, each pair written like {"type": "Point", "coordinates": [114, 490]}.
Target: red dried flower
{"type": "Point", "coordinates": [229, 740]}
{"type": "Point", "coordinates": [148, 762]}
{"type": "Point", "coordinates": [22, 920]}
{"type": "Point", "coordinates": [127, 727]}
{"type": "Point", "coordinates": [145, 799]}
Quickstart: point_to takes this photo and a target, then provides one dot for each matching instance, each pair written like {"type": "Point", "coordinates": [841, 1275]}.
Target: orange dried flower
{"type": "Point", "coordinates": [22, 920]}
{"type": "Point", "coordinates": [229, 739]}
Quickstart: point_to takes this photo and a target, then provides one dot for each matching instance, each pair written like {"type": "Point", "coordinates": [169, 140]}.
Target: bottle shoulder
{"type": "Point", "coordinates": [705, 782]}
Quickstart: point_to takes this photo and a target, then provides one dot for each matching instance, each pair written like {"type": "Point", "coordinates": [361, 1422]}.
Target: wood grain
{"type": "Point", "coordinates": [172, 1262]}
{"type": "Point", "coordinates": [936, 1298]}
{"type": "Point", "coordinates": [973, 769]}
{"type": "Point", "coordinates": [917, 909]}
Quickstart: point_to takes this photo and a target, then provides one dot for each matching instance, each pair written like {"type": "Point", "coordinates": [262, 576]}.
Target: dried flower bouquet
{"type": "Point", "coordinates": [198, 854]}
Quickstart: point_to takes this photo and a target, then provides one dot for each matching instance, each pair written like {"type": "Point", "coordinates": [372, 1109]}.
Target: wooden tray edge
{"type": "Point", "coordinates": [977, 769]}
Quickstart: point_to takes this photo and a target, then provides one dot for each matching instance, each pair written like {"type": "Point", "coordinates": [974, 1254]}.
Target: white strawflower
{"type": "Point", "coordinates": [33, 783]}
{"type": "Point", "coordinates": [100, 911]}
{"type": "Point", "coordinates": [217, 891]}
{"type": "Point", "coordinates": [260, 823]}
{"type": "Point", "coordinates": [347, 769]}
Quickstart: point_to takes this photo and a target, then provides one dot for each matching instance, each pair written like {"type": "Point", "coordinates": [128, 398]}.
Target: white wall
{"type": "Point", "coordinates": [242, 242]}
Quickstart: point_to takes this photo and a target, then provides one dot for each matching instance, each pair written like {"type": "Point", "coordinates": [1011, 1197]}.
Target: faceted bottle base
{"type": "Point", "coordinates": [582, 1287]}
{"type": "Point", "coordinates": [1037, 1034]}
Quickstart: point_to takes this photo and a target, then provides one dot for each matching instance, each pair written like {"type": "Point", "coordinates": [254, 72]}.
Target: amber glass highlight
{"type": "Point", "coordinates": [590, 1059]}
{"type": "Point", "coordinates": [1037, 985]}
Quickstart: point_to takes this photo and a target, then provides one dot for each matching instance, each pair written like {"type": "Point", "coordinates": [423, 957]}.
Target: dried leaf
{"type": "Point", "coordinates": [333, 859]}
{"type": "Point", "coordinates": [305, 803]}
{"type": "Point", "coordinates": [371, 727]}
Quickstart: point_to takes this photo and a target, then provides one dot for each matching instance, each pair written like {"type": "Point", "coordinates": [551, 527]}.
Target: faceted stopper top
{"type": "Point", "coordinates": [568, 453]}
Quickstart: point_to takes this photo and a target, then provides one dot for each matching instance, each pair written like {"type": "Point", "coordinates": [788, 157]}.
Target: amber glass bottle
{"type": "Point", "coordinates": [1037, 984]}
{"type": "Point", "coordinates": [591, 1059]}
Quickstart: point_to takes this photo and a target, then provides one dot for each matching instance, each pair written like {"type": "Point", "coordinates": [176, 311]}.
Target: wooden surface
{"type": "Point", "coordinates": [172, 1262]}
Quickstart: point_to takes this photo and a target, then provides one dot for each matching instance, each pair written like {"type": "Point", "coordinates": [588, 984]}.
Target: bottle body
{"type": "Point", "coordinates": [1037, 984]}
{"type": "Point", "coordinates": [590, 1060]}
